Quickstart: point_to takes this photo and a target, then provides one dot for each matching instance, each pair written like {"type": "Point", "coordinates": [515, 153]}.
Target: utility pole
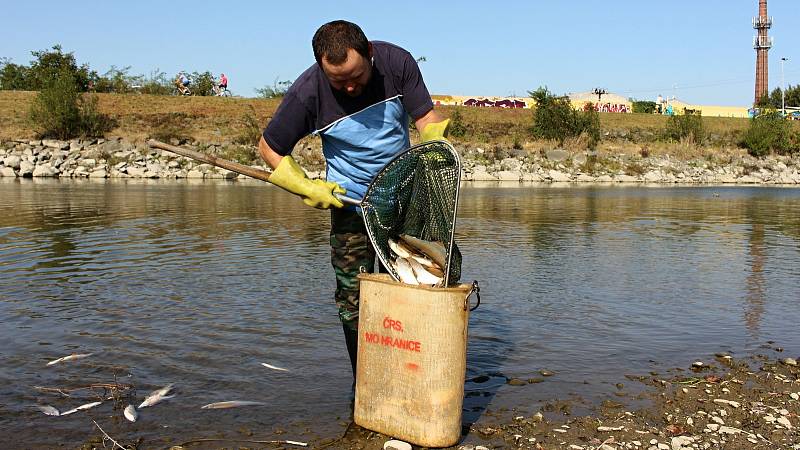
{"type": "Point", "coordinates": [783, 89]}
{"type": "Point", "coordinates": [599, 92]}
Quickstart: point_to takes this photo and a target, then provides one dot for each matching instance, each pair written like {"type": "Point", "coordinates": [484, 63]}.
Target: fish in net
{"type": "Point", "coordinates": [414, 200]}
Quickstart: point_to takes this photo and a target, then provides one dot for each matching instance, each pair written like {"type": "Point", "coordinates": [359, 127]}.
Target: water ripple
{"type": "Point", "coordinates": [197, 284]}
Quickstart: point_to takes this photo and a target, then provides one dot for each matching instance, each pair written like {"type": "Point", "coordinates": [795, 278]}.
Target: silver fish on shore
{"type": "Point", "coordinates": [434, 250]}
{"type": "Point", "coordinates": [157, 396]}
{"type": "Point", "coordinates": [81, 408]}
{"type": "Point", "coordinates": [71, 357]}
{"type": "Point", "coordinates": [270, 366]}
{"type": "Point", "coordinates": [49, 410]}
{"type": "Point", "coordinates": [231, 404]}
{"type": "Point", "coordinates": [130, 413]}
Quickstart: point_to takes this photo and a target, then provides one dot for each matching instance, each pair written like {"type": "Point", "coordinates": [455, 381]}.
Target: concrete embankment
{"type": "Point", "coordinates": [117, 158]}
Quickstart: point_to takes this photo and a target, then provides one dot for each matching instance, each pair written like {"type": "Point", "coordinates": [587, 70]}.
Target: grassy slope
{"type": "Point", "coordinates": [214, 119]}
{"type": "Point", "coordinates": [139, 116]}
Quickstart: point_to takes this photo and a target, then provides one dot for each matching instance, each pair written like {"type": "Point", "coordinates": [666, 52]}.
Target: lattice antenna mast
{"type": "Point", "coordinates": [762, 43]}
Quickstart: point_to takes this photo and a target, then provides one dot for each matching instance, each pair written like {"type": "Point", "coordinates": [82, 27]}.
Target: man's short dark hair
{"type": "Point", "coordinates": [332, 40]}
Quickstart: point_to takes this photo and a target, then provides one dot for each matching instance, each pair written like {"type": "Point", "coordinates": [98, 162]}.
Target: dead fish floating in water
{"type": "Point", "coordinates": [81, 408]}
{"type": "Point", "coordinates": [71, 357]}
{"type": "Point", "coordinates": [270, 366]}
{"type": "Point", "coordinates": [157, 396]}
{"type": "Point", "coordinates": [130, 413]}
{"type": "Point", "coordinates": [231, 404]}
{"type": "Point", "coordinates": [49, 410]}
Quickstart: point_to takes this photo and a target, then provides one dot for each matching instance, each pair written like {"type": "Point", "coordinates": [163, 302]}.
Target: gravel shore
{"type": "Point", "coordinates": [726, 403]}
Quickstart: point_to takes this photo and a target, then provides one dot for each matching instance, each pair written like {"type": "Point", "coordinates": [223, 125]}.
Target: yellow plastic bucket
{"type": "Point", "coordinates": [412, 355]}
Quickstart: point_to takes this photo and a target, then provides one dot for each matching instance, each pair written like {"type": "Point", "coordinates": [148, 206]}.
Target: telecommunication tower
{"type": "Point", "coordinates": [762, 43]}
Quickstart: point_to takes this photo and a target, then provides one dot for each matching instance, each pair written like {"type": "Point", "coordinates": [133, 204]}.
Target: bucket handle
{"type": "Point", "coordinates": [477, 290]}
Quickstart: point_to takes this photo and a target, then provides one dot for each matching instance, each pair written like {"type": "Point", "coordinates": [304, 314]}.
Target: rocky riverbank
{"type": "Point", "coordinates": [118, 158]}
{"type": "Point", "coordinates": [725, 403]}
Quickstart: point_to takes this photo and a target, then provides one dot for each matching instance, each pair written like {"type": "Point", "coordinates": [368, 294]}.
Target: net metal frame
{"type": "Point", "coordinates": [416, 193]}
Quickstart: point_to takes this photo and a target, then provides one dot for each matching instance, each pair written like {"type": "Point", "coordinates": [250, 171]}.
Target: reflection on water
{"type": "Point", "coordinates": [755, 279]}
{"type": "Point", "coordinates": [198, 283]}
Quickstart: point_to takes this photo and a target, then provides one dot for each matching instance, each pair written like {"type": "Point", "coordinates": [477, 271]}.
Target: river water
{"type": "Point", "coordinates": [197, 284]}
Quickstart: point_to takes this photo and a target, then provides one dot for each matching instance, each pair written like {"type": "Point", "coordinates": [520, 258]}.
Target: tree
{"type": "Point", "coordinates": [764, 102]}
{"type": "Point", "coordinates": [202, 83]}
{"type": "Point", "coordinates": [50, 64]}
{"type": "Point", "coordinates": [792, 97]}
{"type": "Point", "coordinates": [278, 89]}
{"type": "Point", "coordinates": [115, 80]}
{"type": "Point", "coordinates": [156, 84]}
{"type": "Point", "coordinates": [12, 76]}
{"type": "Point", "coordinates": [775, 99]}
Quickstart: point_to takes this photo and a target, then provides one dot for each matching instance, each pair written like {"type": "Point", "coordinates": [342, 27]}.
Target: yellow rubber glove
{"type": "Point", "coordinates": [435, 131]}
{"type": "Point", "coordinates": [317, 193]}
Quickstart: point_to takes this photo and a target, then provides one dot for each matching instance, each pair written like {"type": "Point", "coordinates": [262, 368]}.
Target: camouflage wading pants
{"type": "Point", "coordinates": [350, 250]}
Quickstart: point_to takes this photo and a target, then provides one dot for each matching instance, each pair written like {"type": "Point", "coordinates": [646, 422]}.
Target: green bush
{"type": "Point", "coordinates": [644, 107]}
{"type": "Point", "coordinates": [768, 133]}
{"type": "Point", "coordinates": [202, 83]}
{"type": "Point", "coordinates": [156, 84]}
{"type": "Point", "coordinates": [277, 90]}
{"type": "Point", "coordinates": [59, 111]}
{"type": "Point", "coordinates": [115, 80]}
{"type": "Point", "coordinates": [457, 126]}
{"type": "Point", "coordinates": [555, 118]}
{"type": "Point", "coordinates": [686, 127]}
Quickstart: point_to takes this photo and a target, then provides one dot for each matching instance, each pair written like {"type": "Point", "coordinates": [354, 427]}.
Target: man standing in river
{"type": "Point", "coordinates": [358, 98]}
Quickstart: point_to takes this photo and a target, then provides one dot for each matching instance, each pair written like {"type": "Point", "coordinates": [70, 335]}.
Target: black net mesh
{"type": "Point", "coordinates": [416, 194]}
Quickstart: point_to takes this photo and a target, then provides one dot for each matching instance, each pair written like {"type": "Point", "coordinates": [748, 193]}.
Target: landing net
{"type": "Point", "coordinates": [416, 194]}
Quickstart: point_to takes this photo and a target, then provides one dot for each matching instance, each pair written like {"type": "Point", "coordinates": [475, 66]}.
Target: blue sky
{"type": "Point", "coordinates": [700, 50]}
